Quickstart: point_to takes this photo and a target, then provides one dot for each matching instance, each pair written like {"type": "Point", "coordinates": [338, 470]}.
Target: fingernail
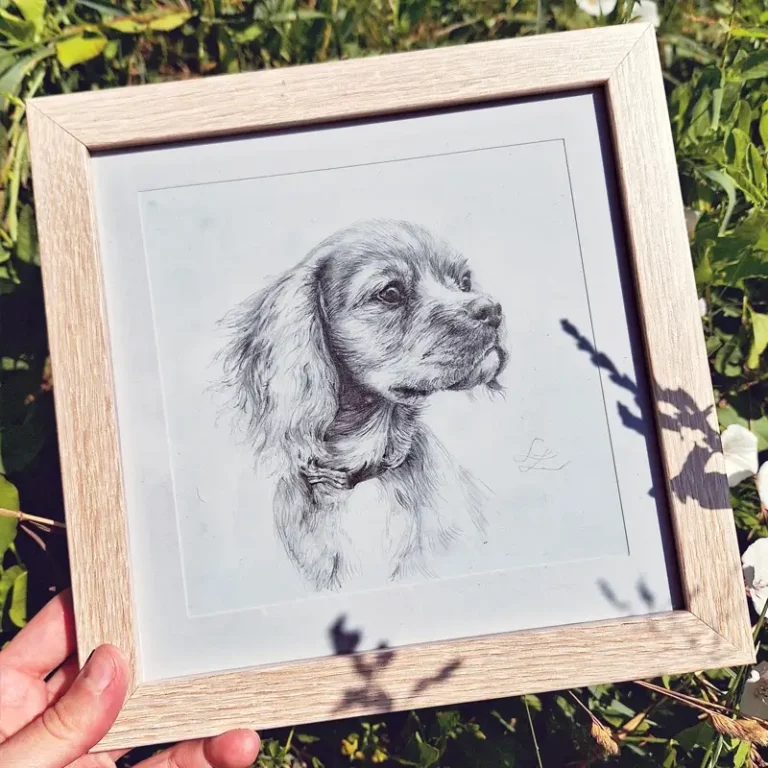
{"type": "Point", "coordinates": [99, 672]}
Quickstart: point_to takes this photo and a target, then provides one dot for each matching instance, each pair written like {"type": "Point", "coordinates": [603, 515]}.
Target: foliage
{"type": "Point", "coordinates": [716, 70]}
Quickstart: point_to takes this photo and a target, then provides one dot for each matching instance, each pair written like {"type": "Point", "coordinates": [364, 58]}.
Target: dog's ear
{"type": "Point", "coordinates": [279, 371]}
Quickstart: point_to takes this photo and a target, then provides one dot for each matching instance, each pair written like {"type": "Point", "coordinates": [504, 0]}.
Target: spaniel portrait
{"type": "Point", "coordinates": [330, 369]}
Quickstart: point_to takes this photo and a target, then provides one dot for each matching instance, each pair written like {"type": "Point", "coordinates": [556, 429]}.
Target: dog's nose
{"type": "Point", "coordinates": [485, 311]}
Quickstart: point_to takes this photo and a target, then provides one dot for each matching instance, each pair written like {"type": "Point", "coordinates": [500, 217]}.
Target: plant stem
{"type": "Point", "coordinates": [23, 516]}
{"type": "Point", "coordinates": [533, 734]}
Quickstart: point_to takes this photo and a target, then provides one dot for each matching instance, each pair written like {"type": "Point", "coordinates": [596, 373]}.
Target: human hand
{"type": "Point", "coordinates": [51, 721]}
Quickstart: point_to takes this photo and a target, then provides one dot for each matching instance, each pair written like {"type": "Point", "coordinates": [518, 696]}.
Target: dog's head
{"type": "Point", "coordinates": [404, 316]}
{"type": "Point", "coordinates": [383, 306]}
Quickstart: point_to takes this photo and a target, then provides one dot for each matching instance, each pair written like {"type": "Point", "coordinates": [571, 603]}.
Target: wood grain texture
{"type": "Point", "coordinates": [82, 374]}
{"type": "Point", "coordinates": [420, 676]}
{"type": "Point", "coordinates": [715, 629]}
{"type": "Point", "coordinates": [238, 104]}
{"type": "Point", "coordinates": [698, 493]}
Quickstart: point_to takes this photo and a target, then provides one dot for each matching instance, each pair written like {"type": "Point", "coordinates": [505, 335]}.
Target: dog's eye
{"type": "Point", "coordinates": [465, 284]}
{"type": "Point", "coordinates": [391, 294]}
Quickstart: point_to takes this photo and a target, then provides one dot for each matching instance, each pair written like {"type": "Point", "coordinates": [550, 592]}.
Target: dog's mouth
{"type": "Point", "coordinates": [485, 371]}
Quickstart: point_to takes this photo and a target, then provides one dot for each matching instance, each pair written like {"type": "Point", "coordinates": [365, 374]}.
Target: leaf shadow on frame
{"type": "Point", "coordinates": [371, 693]}
{"type": "Point", "coordinates": [680, 412]}
{"type": "Point", "coordinates": [677, 412]}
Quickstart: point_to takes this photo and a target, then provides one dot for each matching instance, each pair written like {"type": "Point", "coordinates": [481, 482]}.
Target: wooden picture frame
{"type": "Point", "coordinates": [712, 630]}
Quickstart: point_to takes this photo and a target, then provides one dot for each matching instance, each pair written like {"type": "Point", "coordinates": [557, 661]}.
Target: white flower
{"type": "Point", "coordinates": [740, 451]}
{"type": "Point", "coordinates": [755, 565]}
{"type": "Point", "coordinates": [647, 11]}
{"type": "Point", "coordinates": [762, 483]}
{"type": "Point", "coordinates": [754, 702]}
{"type": "Point", "coordinates": [597, 7]}
{"type": "Point", "coordinates": [703, 307]}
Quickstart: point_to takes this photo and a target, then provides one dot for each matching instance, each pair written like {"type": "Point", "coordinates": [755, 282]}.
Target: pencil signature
{"type": "Point", "coordinates": [539, 457]}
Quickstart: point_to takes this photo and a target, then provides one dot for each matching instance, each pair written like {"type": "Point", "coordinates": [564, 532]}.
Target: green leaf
{"type": "Point", "coordinates": [728, 415]}
{"type": "Point", "coordinates": [302, 14]}
{"type": "Point", "coordinates": [566, 705]}
{"type": "Point", "coordinates": [763, 126]}
{"type": "Point", "coordinates": [679, 102]}
{"type": "Point", "coordinates": [701, 119]}
{"type": "Point", "coordinates": [729, 185]}
{"type": "Point", "coordinates": [531, 701]}
{"type": "Point", "coordinates": [428, 755]}
{"type": "Point", "coordinates": [447, 721]}
{"type": "Point", "coordinates": [753, 66]}
{"type": "Point", "coordinates": [18, 610]}
{"type": "Point", "coordinates": [26, 238]}
{"type": "Point", "coordinates": [620, 708]}
{"type": "Point", "coordinates": [107, 10]}
{"type": "Point", "coordinates": [305, 738]}
{"type": "Point", "coordinates": [759, 339]}
{"type": "Point", "coordinates": [717, 104]}
{"type": "Point", "coordinates": [757, 169]}
{"type": "Point", "coordinates": [753, 230]}
{"type": "Point", "coordinates": [7, 581]}
{"type": "Point", "coordinates": [759, 427]}
{"type": "Point", "coordinates": [169, 21]}
{"type": "Point", "coordinates": [752, 33]}
{"type": "Point", "coordinates": [249, 34]}
{"type": "Point", "coordinates": [700, 735]}
{"type": "Point", "coordinates": [15, 28]}
{"type": "Point", "coordinates": [9, 496]}
{"type": "Point", "coordinates": [744, 117]}
{"type": "Point", "coordinates": [742, 753]}
{"type": "Point", "coordinates": [729, 357]}
{"type": "Point", "coordinates": [9, 499]}
{"type": "Point", "coordinates": [33, 11]}
{"type": "Point", "coordinates": [12, 79]}
{"type": "Point", "coordinates": [127, 25]}
{"type": "Point", "coordinates": [80, 48]}
{"type": "Point", "coordinates": [736, 146]}
{"type": "Point", "coordinates": [749, 265]}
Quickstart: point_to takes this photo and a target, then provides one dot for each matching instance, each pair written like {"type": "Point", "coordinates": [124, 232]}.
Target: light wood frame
{"type": "Point", "coordinates": [713, 630]}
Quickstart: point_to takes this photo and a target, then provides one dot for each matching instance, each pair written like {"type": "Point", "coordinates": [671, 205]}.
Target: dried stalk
{"type": "Point", "coordinates": [746, 730]}
{"type": "Point", "coordinates": [24, 517]}
{"type": "Point", "coordinates": [600, 732]}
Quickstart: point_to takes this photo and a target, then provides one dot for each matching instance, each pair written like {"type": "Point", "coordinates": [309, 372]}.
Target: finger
{"type": "Point", "coordinates": [46, 641]}
{"type": "Point", "coordinates": [77, 721]}
{"type": "Point", "coordinates": [62, 679]}
{"type": "Point", "coordinates": [99, 759]}
{"type": "Point", "coordinates": [234, 749]}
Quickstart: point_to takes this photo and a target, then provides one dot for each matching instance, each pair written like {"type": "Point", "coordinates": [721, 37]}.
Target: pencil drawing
{"type": "Point", "coordinates": [329, 370]}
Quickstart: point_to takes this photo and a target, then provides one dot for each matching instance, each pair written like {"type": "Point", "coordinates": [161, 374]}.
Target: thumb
{"type": "Point", "coordinates": [77, 721]}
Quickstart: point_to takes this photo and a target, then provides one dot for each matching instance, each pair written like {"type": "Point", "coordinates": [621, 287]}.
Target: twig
{"type": "Point", "coordinates": [581, 704]}
{"type": "Point", "coordinates": [533, 733]}
{"type": "Point", "coordinates": [32, 535]}
{"type": "Point", "coordinates": [600, 732]}
{"type": "Point", "coordinates": [704, 706]}
{"type": "Point", "coordinates": [24, 517]}
{"type": "Point", "coordinates": [724, 57]}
